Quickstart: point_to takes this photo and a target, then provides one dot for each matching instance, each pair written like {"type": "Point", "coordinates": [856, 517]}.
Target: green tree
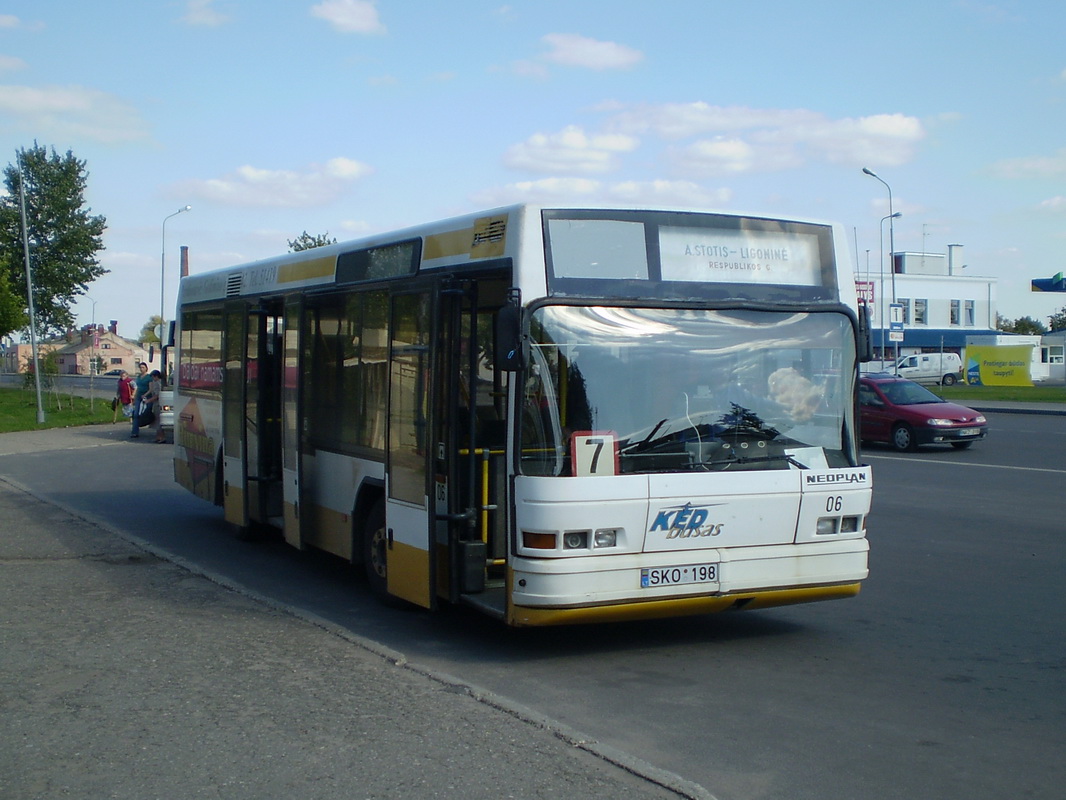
{"type": "Point", "coordinates": [1026, 325]}
{"type": "Point", "coordinates": [148, 334]}
{"type": "Point", "coordinates": [306, 241]}
{"type": "Point", "coordinates": [13, 315]}
{"type": "Point", "coordinates": [1057, 321]}
{"type": "Point", "coordinates": [64, 237]}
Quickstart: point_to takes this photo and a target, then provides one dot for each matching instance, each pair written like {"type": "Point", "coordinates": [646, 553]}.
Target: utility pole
{"type": "Point", "coordinates": [29, 289]}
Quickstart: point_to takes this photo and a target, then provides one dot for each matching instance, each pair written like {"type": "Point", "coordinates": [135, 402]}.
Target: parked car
{"type": "Point", "coordinates": [166, 411]}
{"type": "Point", "coordinates": [112, 372]}
{"type": "Point", "coordinates": [942, 368]}
{"type": "Point", "coordinates": [905, 414]}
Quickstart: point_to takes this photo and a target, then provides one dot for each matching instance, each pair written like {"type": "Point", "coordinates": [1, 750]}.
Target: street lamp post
{"type": "Point", "coordinates": [29, 287]}
{"type": "Point", "coordinates": [891, 228]}
{"type": "Point", "coordinates": [881, 313]}
{"type": "Point", "coordinates": [163, 285]}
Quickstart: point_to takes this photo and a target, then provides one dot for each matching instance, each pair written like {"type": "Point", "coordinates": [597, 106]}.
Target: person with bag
{"type": "Point", "coordinates": [152, 410]}
{"type": "Point", "coordinates": [123, 396]}
{"type": "Point", "coordinates": [141, 384]}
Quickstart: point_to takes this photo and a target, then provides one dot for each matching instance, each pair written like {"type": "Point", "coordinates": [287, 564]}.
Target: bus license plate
{"type": "Point", "coordinates": [674, 576]}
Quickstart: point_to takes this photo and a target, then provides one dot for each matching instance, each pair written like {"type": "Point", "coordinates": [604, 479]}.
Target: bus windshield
{"type": "Point", "coordinates": [677, 390]}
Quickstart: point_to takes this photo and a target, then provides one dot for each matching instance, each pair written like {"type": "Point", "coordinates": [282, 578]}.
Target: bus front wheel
{"type": "Point", "coordinates": [375, 550]}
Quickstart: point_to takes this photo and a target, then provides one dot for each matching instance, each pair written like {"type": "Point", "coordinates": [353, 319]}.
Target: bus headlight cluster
{"type": "Point", "coordinates": [571, 540]}
{"type": "Point", "coordinates": [828, 526]}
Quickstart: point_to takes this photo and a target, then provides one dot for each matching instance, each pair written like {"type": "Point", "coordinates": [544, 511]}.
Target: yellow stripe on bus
{"type": "Point", "coordinates": [409, 574]}
{"type": "Point", "coordinates": [486, 239]}
{"type": "Point", "coordinates": [443, 245]}
{"type": "Point", "coordinates": [678, 607]}
{"type": "Point", "coordinates": [305, 270]}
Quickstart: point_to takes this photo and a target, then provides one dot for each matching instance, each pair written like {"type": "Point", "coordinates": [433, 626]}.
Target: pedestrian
{"type": "Point", "coordinates": [123, 396]}
{"type": "Point", "coordinates": [151, 402]}
{"type": "Point", "coordinates": [141, 385]}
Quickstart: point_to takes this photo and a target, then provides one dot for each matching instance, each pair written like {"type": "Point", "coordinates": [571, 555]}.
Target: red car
{"type": "Point", "coordinates": [905, 414]}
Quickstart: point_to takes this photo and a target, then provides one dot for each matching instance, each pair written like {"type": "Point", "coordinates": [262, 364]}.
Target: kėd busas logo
{"type": "Point", "coordinates": [684, 522]}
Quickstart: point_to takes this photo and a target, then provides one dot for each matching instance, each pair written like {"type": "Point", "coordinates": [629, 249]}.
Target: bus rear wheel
{"type": "Point", "coordinates": [375, 550]}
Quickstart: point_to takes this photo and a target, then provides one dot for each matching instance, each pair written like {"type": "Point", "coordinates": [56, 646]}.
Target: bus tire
{"type": "Point", "coordinates": [375, 550]}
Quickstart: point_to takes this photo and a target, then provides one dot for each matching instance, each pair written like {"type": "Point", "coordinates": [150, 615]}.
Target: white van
{"type": "Point", "coordinates": [942, 368]}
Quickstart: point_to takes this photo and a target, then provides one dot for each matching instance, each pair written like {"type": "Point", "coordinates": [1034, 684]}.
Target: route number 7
{"type": "Point", "coordinates": [593, 453]}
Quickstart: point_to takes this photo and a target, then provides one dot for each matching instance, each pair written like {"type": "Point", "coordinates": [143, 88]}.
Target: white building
{"type": "Point", "coordinates": [941, 306]}
{"type": "Point", "coordinates": [1053, 355]}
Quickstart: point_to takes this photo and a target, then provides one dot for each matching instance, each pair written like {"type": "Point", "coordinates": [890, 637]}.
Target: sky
{"type": "Point", "coordinates": [347, 117]}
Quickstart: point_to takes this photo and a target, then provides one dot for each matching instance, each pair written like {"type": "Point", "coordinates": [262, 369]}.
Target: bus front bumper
{"type": "Point", "coordinates": [602, 589]}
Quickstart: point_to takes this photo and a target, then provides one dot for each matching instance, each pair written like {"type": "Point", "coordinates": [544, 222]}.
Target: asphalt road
{"type": "Point", "coordinates": [943, 679]}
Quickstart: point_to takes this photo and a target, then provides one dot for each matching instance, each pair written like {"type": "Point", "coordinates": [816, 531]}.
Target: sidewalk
{"type": "Point", "coordinates": [125, 676]}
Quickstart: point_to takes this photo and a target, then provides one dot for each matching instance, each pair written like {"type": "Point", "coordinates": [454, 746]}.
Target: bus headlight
{"type": "Point", "coordinates": [826, 526]}
{"type": "Point", "coordinates": [849, 524]}
{"type": "Point", "coordinates": [576, 540]}
{"type": "Point", "coordinates": [606, 537]}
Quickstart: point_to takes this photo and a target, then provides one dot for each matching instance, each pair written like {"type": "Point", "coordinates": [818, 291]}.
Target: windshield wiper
{"type": "Point", "coordinates": [646, 439]}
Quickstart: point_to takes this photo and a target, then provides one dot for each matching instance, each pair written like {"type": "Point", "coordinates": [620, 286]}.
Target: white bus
{"type": "Point", "coordinates": [553, 415]}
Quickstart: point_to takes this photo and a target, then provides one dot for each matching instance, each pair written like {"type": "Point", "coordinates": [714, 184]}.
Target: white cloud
{"type": "Point", "coordinates": [11, 22]}
{"type": "Point", "coordinates": [592, 192]}
{"type": "Point", "coordinates": [250, 186]}
{"type": "Point", "coordinates": [684, 120]}
{"type": "Point", "coordinates": [1035, 167]}
{"type": "Point", "coordinates": [546, 190]}
{"type": "Point", "coordinates": [570, 151]}
{"type": "Point", "coordinates": [881, 139]}
{"type": "Point", "coordinates": [350, 16]}
{"type": "Point", "coordinates": [717, 157]}
{"type": "Point", "coordinates": [530, 69]}
{"type": "Point", "coordinates": [669, 193]}
{"type": "Point", "coordinates": [202, 12]}
{"type": "Point", "coordinates": [11, 64]}
{"type": "Point", "coordinates": [1057, 203]}
{"type": "Point", "coordinates": [356, 228]}
{"type": "Point", "coordinates": [383, 80]}
{"type": "Point", "coordinates": [65, 112]}
{"type": "Point", "coordinates": [740, 139]}
{"type": "Point", "coordinates": [572, 50]}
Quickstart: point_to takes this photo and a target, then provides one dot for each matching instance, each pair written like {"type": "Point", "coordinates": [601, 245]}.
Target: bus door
{"type": "Point", "coordinates": [291, 430]}
{"type": "Point", "coordinates": [407, 506]}
{"type": "Point", "coordinates": [234, 444]}
{"type": "Point", "coordinates": [251, 428]}
{"type": "Point", "coordinates": [262, 412]}
{"type": "Point", "coordinates": [470, 467]}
